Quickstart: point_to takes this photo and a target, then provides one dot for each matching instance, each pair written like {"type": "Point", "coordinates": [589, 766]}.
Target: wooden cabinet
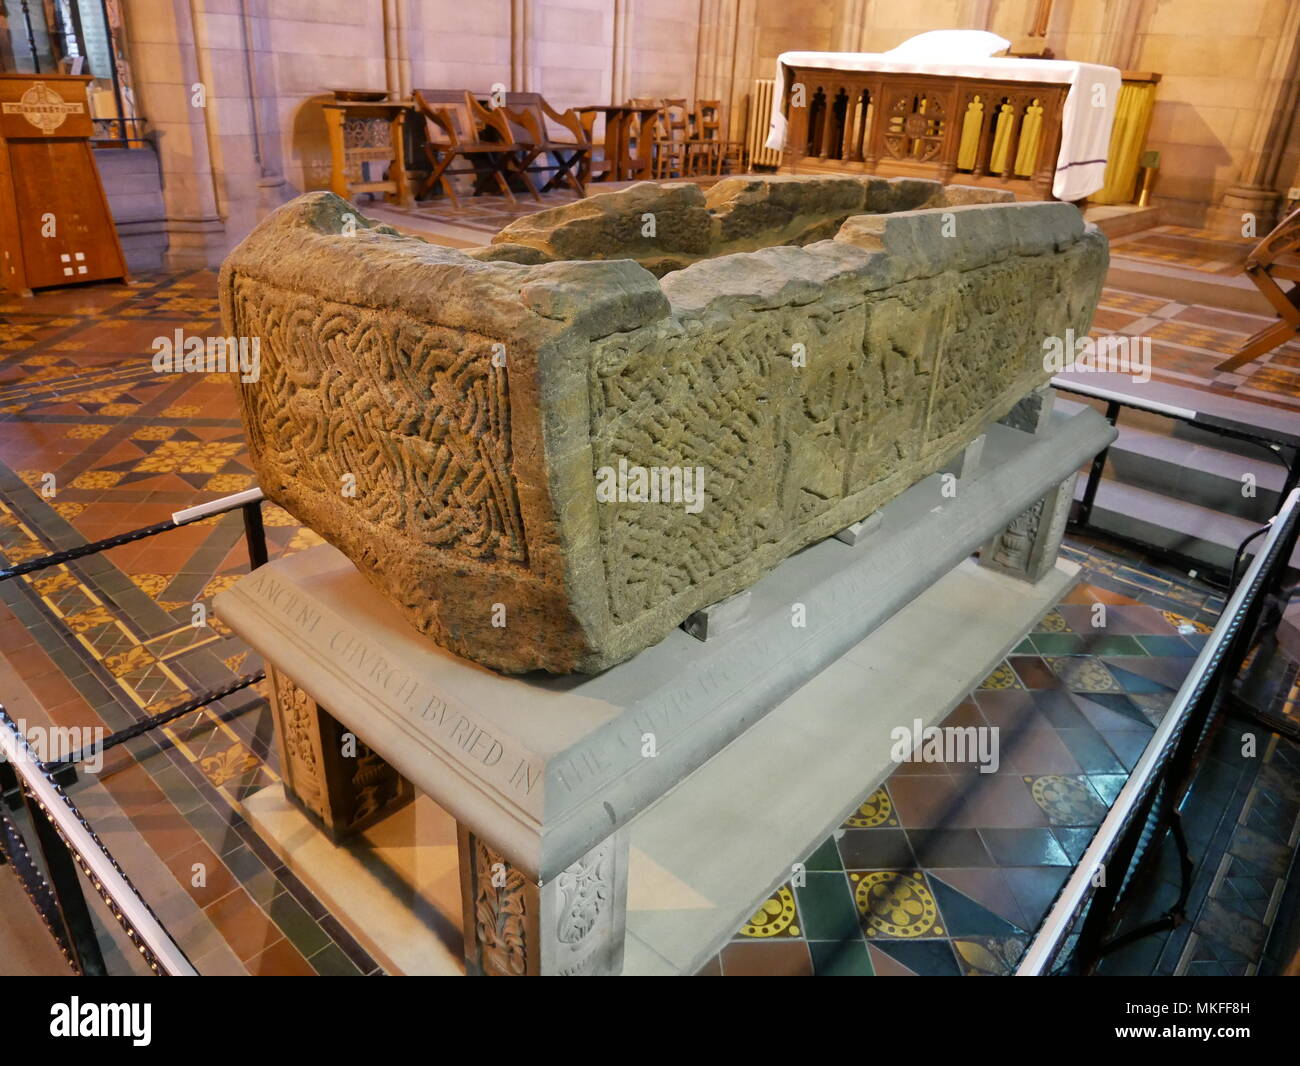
{"type": "Point", "coordinates": [55, 224]}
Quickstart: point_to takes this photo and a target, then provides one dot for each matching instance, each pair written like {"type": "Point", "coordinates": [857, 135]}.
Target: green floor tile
{"type": "Point", "coordinates": [1058, 643]}
{"type": "Point", "coordinates": [847, 958]}
{"type": "Point", "coordinates": [331, 962]}
{"type": "Point", "coordinates": [826, 908]}
{"type": "Point", "coordinates": [826, 857]}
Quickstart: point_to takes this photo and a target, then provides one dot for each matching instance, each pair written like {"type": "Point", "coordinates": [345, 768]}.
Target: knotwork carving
{"type": "Point", "coordinates": [414, 418]}
{"type": "Point", "coordinates": [799, 388]}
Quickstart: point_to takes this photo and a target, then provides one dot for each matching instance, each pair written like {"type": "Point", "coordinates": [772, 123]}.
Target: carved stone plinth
{"type": "Point", "coordinates": [327, 770]}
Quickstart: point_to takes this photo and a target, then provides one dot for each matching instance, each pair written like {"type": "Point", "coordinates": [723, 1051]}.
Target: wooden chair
{"type": "Point", "coordinates": [672, 153]}
{"type": "Point", "coordinates": [526, 114]}
{"type": "Point", "coordinates": [1264, 268]}
{"type": "Point", "coordinates": [602, 161]}
{"type": "Point", "coordinates": [713, 151]}
{"type": "Point", "coordinates": [455, 123]}
{"type": "Point", "coordinates": [633, 134]}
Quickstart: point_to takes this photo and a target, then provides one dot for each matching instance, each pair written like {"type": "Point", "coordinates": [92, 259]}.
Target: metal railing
{"type": "Point", "coordinates": [68, 844]}
{"type": "Point", "coordinates": [121, 133]}
{"type": "Point", "coordinates": [65, 840]}
{"type": "Point", "coordinates": [1147, 806]}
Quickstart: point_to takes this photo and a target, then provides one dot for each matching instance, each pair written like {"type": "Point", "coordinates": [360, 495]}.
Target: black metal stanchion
{"type": "Point", "coordinates": [255, 533]}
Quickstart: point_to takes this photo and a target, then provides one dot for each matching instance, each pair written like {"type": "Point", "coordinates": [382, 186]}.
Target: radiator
{"type": "Point", "coordinates": [760, 116]}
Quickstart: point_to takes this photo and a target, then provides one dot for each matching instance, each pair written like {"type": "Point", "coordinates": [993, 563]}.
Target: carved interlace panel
{"type": "Point", "coordinates": [889, 379]}
{"type": "Point", "coordinates": [413, 418]}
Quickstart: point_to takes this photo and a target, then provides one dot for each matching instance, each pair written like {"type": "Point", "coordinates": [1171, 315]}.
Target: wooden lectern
{"type": "Point", "coordinates": [55, 225]}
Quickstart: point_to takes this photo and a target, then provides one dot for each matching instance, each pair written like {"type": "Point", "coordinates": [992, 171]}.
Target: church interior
{"type": "Point", "coordinates": [661, 487]}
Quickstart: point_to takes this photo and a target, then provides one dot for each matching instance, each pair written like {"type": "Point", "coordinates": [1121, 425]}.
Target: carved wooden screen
{"type": "Point", "coordinates": [977, 131]}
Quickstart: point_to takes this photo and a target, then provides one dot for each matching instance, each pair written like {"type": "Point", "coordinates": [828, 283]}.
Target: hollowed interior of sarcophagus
{"type": "Point", "coordinates": [666, 227]}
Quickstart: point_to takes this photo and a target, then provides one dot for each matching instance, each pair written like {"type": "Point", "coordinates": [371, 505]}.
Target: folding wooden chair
{"type": "Point", "coordinates": [1263, 268]}
{"type": "Point", "coordinates": [565, 160]}
{"type": "Point", "coordinates": [454, 124]}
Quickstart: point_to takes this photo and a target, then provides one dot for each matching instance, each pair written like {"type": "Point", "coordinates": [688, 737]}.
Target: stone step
{"type": "Point", "coordinates": [1120, 220]}
{"type": "Point", "coordinates": [133, 185]}
{"type": "Point", "coordinates": [1171, 523]}
{"type": "Point", "coordinates": [1180, 462]}
{"type": "Point", "coordinates": [1227, 292]}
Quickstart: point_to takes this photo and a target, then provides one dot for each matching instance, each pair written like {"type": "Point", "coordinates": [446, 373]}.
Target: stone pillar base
{"type": "Point", "coordinates": [1243, 200]}
{"type": "Point", "coordinates": [571, 926]}
{"type": "Point", "coordinates": [329, 772]}
{"type": "Point", "coordinates": [1028, 546]}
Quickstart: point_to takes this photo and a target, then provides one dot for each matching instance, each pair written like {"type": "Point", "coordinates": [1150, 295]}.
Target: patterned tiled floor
{"type": "Point", "coordinates": [1189, 340]}
{"type": "Point", "coordinates": [940, 870]}
{"type": "Point", "coordinates": [94, 443]}
{"type": "Point", "coordinates": [1202, 250]}
{"type": "Point", "coordinates": [946, 870]}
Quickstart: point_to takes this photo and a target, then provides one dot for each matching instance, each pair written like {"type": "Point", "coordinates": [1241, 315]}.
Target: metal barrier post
{"type": "Point", "coordinates": [1096, 470]}
{"type": "Point", "coordinates": [255, 534]}
{"type": "Point", "coordinates": [71, 901]}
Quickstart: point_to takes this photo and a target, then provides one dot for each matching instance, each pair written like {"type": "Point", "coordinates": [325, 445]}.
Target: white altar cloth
{"type": "Point", "coordinates": [1086, 120]}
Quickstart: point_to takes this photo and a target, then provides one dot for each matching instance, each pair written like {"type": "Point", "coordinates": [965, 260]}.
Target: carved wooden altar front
{"type": "Point", "coordinates": [977, 131]}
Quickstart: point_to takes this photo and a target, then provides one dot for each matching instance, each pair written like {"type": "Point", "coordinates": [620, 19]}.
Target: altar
{"type": "Point", "coordinates": [1041, 128]}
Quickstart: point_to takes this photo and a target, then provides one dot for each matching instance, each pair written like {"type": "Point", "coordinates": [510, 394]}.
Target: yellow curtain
{"type": "Point", "coordinates": [1031, 131]}
{"type": "Point", "coordinates": [1002, 138]}
{"type": "Point", "coordinates": [970, 134]}
{"type": "Point", "coordinates": [1127, 140]}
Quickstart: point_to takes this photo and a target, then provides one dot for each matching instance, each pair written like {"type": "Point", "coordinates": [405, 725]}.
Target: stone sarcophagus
{"type": "Point", "coordinates": [551, 451]}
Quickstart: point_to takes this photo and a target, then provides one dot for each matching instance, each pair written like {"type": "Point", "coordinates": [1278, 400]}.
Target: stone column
{"type": "Point", "coordinates": [1028, 546]}
{"type": "Point", "coordinates": [1256, 191]}
{"type": "Point", "coordinates": [716, 63]}
{"type": "Point", "coordinates": [620, 60]}
{"type": "Point", "coordinates": [570, 926]}
{"type": "Point", "coordinates": [262, 94]}
{"type": "Point", "coordinates": [974, 14]}
{"type": "Point", "coordinates": [521, 31]}
{"type": "Point", "coordinates": [168, 62]}
{"type": "Point", "coordinates": [330, 773]}
{"type": "Point", "coordinates": [850, 29]}
{"type": "Point", "coordinates": [1118, 43]}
